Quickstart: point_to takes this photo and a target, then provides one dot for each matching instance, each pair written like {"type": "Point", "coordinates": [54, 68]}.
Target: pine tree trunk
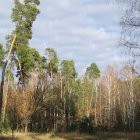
{"type": "Point", "coordinates": [2, 100]}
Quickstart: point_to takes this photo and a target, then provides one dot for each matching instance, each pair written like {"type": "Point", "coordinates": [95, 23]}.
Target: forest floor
{"type": "Point", "coordinates": [72, 136]}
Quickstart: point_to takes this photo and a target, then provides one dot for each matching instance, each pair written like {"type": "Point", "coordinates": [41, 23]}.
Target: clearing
{"type": "Point", "coordinates": [72, 136]}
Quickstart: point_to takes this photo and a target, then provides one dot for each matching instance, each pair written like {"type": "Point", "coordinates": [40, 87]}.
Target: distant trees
{"type": "Point", "coordinates": [110, 93]}
{"type": "Point", "coordinates": [52, 60]}
{"type": "Point", "coordinates": [93, 73]}
{"type": "Point", "coordinates": [68, 72]}
{"type": "Point", "coordinates": [62, 102]}
{"type": "Point", "coordinates": [117, 101]}
{"type": "Point", "coordinates": [129, 75]}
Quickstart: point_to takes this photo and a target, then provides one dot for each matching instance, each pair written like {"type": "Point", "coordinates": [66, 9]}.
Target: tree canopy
{"type": "Point", "coordinates": [93, 71]}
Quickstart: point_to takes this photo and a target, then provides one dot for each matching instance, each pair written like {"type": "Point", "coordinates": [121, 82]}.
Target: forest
{"type": "Point", "coordinates": [44, 94]}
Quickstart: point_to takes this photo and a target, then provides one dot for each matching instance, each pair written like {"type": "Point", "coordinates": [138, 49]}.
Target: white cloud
{"type": "Point", "coordinates": [83, 30]}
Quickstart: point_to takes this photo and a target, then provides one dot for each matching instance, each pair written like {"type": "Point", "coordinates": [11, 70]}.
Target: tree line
{"type": "Point", "coordinates": [42, 93]}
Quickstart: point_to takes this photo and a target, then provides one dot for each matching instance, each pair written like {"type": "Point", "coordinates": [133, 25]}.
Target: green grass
{"type": "Point", "coordinates": [72, 136]}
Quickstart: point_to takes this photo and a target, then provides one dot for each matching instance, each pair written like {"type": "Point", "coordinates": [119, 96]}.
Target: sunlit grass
{"type": "Point", "coordinates": [72, 136]}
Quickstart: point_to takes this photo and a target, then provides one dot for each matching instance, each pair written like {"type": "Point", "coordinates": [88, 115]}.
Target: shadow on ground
{"type": "Point", "coordinates": [7, 138]}
{"type": "Point", "coordinates": [75, 136]}
{"type": "Point", "coordinates": [101, 136]}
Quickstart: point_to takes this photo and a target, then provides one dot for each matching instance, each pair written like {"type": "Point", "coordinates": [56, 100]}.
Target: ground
{"type": "Point", "coordinates": [72, 136]}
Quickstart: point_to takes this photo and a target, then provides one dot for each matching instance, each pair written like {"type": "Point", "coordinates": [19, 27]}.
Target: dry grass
{"type": "Point", "coordinates": [72, 136]}
{"type": "Point", "coordinates": [101, 136]}
{"type": "Point", "coordinates": [30, 136]}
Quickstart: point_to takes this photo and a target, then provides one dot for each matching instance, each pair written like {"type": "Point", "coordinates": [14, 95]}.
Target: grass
{"type": "Point", "coordinates": [72, 136]}
{"type": "Point", "coordinates": [30, 136]}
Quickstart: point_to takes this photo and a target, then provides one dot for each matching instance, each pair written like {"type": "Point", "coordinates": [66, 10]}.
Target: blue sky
{"type": "Point", "coordinates": [83, 30]}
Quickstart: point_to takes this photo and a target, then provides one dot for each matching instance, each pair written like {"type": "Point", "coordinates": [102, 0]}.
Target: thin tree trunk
{"type": "Point", "coordinates": [54, 119]}
{"type": "Point", "coordinates": [65, 113]}
{"type": "Point", "coordinates": [51, 71]}
{"type": "Point", "coordinates": [96, 104]}
{"type": "Point", "coordinates": [20, 68]}
{"type": "Point", "coordinates": [100, 110]}
{"type": "Point", "coordinates": [4, 101]}
{"type": "Point", "coordinates": [61, 87]}
{"type": "Point", "coordinates": [26, 127]}
{"type": "Point", "coordinates": [2, 105]}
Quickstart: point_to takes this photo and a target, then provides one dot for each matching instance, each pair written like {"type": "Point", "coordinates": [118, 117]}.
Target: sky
{"type": "Point", "coordinates": [85, 31]}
